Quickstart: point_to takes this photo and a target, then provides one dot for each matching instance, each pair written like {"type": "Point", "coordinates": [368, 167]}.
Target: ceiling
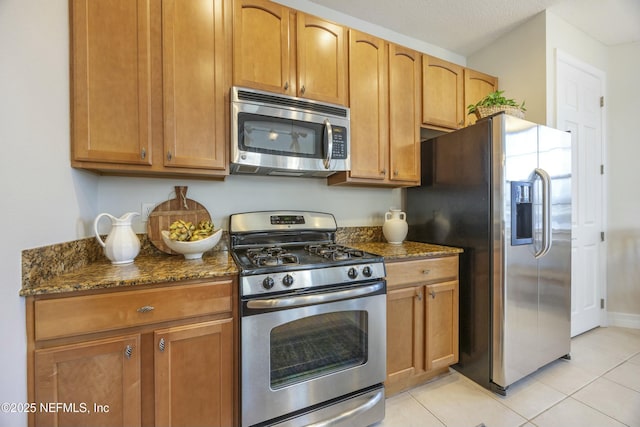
{"type": "Point", "coordinates": [465, 26]}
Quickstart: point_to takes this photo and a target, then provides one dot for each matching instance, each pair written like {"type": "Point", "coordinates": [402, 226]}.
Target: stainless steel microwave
{"type": "Point", "coordinates": [273, 134]}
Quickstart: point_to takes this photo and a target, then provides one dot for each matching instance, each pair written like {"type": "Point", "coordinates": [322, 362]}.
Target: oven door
{"type": "Point", "coordinates": [303, 350]}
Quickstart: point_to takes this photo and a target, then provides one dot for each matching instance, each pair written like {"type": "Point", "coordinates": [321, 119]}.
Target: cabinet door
{"type": "Point", "coordinates": [322, 60]}
{"type": "Point", "coordinates": [477, 85]}
{"type": "Point", "coordinates": [99, 381]}
{"type": "Point", "coordinates": [111, 80]}
{"type": "Point", "coordinates": [194, 374]}
{"type": "Point", "coordinates": [194, 57]}
{"type": "Point", "coordinates": [441, 319]}
{"type": "Point", "coordinates": [405, 332]}
{"type": "Point", "coordinates": [404, 114]}
{"type": "Point", "coordinates": [442, 93]}
{"type": "Point", "coordinates": [368, 92]}
{"type": "Point", "coordinates": [262, 45]}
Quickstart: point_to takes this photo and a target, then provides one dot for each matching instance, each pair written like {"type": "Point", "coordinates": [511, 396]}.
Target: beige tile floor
{"type": "Point", "coordinates": [599, 387]}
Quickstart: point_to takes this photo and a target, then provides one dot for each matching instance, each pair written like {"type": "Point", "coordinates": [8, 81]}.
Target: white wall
{"type": "Point", "coordinates": [518, 59]}
{"type": "Point", "coordinates": [623, 237]}
{"type": "Point", "coordinates": [44, 201]}
{"type": "Point", "coordinates": [350, 206]}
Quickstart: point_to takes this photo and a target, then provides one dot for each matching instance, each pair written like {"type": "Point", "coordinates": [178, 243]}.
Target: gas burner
{"type": "Point", "coordinates": [271, 256]}
{"type": "Point", "coordinates": [334, 251]}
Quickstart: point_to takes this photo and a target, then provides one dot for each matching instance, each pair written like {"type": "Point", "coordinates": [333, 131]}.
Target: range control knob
{"type": "Point", "coordinates": [287, 280]}
{"type": "Point", "coordinates": [352, 273]}
{"type": "Point", "coordinates": [267, 283]}
{"type": "Point", "coordinates": [367, 272]}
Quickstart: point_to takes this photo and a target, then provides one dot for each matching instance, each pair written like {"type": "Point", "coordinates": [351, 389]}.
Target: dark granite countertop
{"type": "Point", "coordinates": [406, 250]}
{"type": "Point", "coordinates": [80, 265]}
{"type": "Point", "coordinates": [146, 269]}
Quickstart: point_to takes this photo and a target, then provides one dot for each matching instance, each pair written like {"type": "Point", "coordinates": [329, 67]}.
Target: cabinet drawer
{"type": "Point", "coordinates": [421, 271]}
{"type": "Point", "coordinates": [61, 317]}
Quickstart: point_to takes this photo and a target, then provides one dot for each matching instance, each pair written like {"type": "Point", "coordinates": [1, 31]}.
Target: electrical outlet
{"type": "Point", "coordinates": [145, 210]}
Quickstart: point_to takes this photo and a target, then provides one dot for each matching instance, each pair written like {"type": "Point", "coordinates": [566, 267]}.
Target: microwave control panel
{"type": "Point", "coordinates": [339, 142]}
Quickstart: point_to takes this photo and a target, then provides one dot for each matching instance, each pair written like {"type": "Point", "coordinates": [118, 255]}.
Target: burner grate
{"type": "Point", "coordinates": [334, 252]}
{"type": "Point", "coordinates": [271, 256]}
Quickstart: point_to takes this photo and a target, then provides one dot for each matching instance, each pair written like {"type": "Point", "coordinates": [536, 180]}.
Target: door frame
{"type": "Point", "coordinates": [568, 59]}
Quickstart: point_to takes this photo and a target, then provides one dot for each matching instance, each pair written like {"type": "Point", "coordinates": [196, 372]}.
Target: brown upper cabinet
{"type": "Point", "coordinates": [111, 81]}
{"type": "Point", "coordinates": [369, 95]}
{"type": "Point", "coordinates": [194, 86]}
{"type": "Point", "coordinates": [477, 85]}
{"type": "Point", "coordinates": [447, 90]}
{"type": "Point", "coordinates": [442, 93]}
{"type": "Point", "coordinates": [146, 98]}
{"type": "Point", "coordinates": [384, 87]}
{"type": "Point", "coordinates": [404, 115]}
{"type": "Point", "coordinates": [279, 50]}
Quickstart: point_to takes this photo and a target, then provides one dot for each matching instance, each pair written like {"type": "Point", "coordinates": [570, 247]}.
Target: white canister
{"type": "Point", "coordinates": [395, 226]}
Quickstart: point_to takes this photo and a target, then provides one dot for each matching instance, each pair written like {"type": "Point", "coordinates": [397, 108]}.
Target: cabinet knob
{"type": "Point", "coordinates": [145, 309]}
{"type": "Point", "coordinates": [395, 172]}
{"type": "Point", "coordinates": [286, 85]}
{"type": "Point", "coordinates": [169, 155]}
{"type": "Point", "coordinates": [419, 296]}
{"type": "Point", "coordinates": [383, 172]}
{"type": "Point", "coordinates": [161, 344]}
{"type": "Point", "coordinates": [426, 271]}
{"type": "Point", "coordinates": [303, 89]}
{"type": "Point", "coordinates": [433, 294]}
{"type": "Point", "coordinates": [128, 351]}
{"type": "Point", "coordinates": [143, 153]}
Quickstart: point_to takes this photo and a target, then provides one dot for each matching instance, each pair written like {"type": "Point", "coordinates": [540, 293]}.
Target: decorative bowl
{"type": "Point", "coordinates": [192, 250]}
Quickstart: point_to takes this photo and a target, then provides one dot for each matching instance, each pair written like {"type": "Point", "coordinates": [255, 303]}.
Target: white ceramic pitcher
{"type": "Point", "coordinates": [395, 226]}
{"type": "Point", "coordinates": [121, 245]}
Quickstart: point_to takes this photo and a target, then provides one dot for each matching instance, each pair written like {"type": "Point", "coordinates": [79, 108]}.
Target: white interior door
{"type": "Point", "coordinates": [579, 110]}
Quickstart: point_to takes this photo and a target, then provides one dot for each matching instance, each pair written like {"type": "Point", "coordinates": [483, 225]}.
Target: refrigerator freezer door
{"type": "Point", "coordinates": [515, 269]}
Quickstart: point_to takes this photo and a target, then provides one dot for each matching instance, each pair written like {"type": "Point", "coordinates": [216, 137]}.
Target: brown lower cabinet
{"type": "Point", "coordinates": [422, 320]}
{"type": "Point", "coordinates": [159, 355]}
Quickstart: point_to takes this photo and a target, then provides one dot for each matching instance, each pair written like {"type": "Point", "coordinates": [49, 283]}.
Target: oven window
{"type": "Point", "coordinates": [274, 135]}
{"type": "Point", "coordinates": [317, 345]}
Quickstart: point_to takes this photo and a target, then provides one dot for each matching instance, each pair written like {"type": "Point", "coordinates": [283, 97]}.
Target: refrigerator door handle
{"type": "Point", "coordinates": [546, 212]}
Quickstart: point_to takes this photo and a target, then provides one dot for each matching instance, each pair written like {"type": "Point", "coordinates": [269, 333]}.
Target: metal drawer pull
{"type": "Point", "coordinates": [419, 296]}
{"type": "Point", "coordinates": [128, 351]}
{"type": "Point", "coordinates": [145, 309]}
{"type": "Point", "coordinates": [433, 294]}
{"type": "Point", "coordinates": [161, 344]}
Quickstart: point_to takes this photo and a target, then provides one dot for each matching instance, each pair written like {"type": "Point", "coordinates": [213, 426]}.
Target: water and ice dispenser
{"type": "Point", "coordinates": [521, 213]}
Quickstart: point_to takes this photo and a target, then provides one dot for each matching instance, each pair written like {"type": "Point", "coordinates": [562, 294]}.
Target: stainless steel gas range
{"type": "Point", "coordinates": [312, 325]}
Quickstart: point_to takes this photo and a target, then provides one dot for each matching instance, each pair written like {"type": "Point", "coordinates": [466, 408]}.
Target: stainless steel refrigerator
{"type": "Point", "coordinates": [501, 190]}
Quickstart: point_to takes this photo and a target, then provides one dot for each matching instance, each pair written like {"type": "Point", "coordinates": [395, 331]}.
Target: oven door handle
{"type": "Point", "coordinates": [299, 301]}
{"type": "Point", "coordinates": [370, 403]}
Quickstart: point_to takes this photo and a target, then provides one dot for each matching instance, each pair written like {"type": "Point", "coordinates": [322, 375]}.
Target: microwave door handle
{"type": "Point", "coordinates": [329, 134]}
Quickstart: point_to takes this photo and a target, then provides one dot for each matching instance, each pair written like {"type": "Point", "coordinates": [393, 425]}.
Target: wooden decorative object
{"type": "Point", "coordinates": [167, 212]}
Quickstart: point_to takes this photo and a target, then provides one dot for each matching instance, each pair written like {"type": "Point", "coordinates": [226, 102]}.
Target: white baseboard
{"type": "Point", "coordinates": [623, 320]}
